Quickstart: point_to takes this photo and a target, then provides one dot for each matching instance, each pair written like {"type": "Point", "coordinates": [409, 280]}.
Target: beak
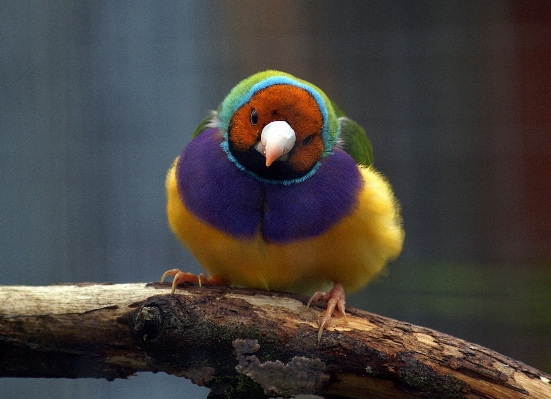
{"type": "Point", "coordinates": [276, 140]}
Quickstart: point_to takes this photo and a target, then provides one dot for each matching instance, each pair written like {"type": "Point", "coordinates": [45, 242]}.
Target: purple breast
{"type": "Point", "coordinates": [233, 201]}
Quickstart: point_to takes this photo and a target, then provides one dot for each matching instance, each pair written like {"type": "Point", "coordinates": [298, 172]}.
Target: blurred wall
{"type": "Point", "coordinates": [532, 23]}
{"type": "Point", "coordinates": [97, 98]}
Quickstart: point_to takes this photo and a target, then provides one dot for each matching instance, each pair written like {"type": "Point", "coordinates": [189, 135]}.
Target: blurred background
{"type": "Point", "coordinates": [97, 99]}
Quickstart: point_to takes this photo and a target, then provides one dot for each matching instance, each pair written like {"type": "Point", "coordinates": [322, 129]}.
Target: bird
{"type": "Point", "coordinates": [277, 191]}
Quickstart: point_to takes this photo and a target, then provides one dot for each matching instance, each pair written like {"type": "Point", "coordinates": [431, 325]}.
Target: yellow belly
{"type": "Point", "coordinates": [351, 253]}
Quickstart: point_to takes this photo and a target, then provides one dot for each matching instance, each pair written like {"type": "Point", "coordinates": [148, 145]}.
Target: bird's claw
{"type": "Point", "coordinates": [335, 299]}
{"type": "Point", "coordinates": [186, 277]}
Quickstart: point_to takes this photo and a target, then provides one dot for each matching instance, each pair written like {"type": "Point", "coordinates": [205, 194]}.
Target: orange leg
{"type": "Point", "coordinates": [185, 277]}
{"type": "Point", "coordinates": [335, 299]}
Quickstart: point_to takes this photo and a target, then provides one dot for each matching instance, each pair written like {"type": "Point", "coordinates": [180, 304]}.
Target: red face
{"type": "Point", "coordinates": [279, 102]}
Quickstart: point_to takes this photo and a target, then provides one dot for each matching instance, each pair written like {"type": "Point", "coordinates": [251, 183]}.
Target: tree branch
{"type": "Point", "coordinates": [243, 343]}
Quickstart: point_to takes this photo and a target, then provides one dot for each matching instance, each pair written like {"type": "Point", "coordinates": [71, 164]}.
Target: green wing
{"type": "Point", "coordinates": [203, 124]}
{"type": "Point", "coordinates": [353, 139]}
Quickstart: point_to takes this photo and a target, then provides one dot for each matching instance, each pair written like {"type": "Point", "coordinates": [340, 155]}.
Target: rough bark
{"type": "Point", "coordinates": [244, 343]}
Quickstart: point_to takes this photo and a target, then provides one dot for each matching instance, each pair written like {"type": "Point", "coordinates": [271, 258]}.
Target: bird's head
{"type": "Point", "coordinates": [277, 127]}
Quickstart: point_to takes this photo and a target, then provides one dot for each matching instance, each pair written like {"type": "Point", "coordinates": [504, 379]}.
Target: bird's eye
{"type": "Point", "coordinates": [308, 139]}
{"type": "Point", "coordinates": [254, 117]}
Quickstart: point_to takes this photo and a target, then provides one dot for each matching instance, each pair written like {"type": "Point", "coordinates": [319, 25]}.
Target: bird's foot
{"type": "Point", "coordinates": [334, 299]}
{"type": "Point", "coordinates": [185, 277]}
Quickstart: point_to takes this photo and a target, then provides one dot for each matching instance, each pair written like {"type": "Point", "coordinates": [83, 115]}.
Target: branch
{"type": "Point", "coordinates": [243, 343]}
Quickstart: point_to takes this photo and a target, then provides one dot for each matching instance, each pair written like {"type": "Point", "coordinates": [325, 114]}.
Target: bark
{"type": "Point", "coordinates": [244, 343]}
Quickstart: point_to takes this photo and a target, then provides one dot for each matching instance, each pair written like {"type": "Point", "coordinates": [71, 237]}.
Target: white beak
{"type": "Point", "coordinates": [276, 140]}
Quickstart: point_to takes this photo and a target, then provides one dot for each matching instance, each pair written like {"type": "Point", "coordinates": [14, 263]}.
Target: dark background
{"type": "Point", "coordinates": [97, 98]}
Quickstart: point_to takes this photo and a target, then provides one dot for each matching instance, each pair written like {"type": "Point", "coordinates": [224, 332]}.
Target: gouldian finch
{"type": "Point", "coordinates": [277, 191]}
